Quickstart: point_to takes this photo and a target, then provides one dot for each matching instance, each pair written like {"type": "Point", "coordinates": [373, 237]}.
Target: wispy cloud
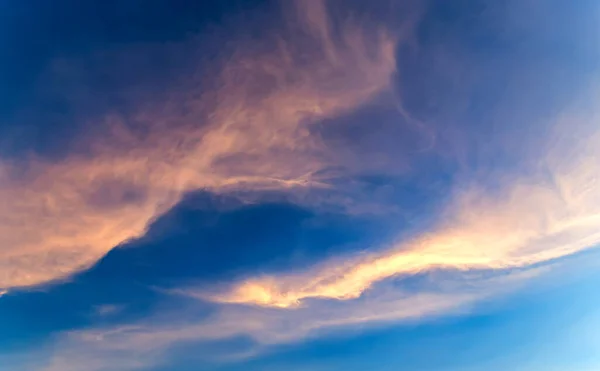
{"type": "Point", "coordinates": [108, 310]}
{"type": "Point", "coordinates": [526, 220]}
{"type": "Point", "coordinates": [254, 133]}
{"type": "Point", "coordinates": [250, 133]}
{"type": "Point", "coordinates": [494, 241]}
{"type": "Point", "coordinates": [147, 343]}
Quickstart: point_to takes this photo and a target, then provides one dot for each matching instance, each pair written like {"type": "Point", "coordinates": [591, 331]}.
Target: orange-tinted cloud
{"type": "Point", "coordinates": [252, 132]}
{"type": "Point", "coordinates": [493, 234]}
{"type": "Point", "coordinates": [548, 214]}
{"type": "Point", "coordinates": [141, 345]}
{"type": "Point", "coordinates": [493, 242]}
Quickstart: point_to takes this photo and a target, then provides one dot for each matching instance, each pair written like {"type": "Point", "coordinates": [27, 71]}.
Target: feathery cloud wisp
{"type": "Point", "coordinates": [491, 246]}
{"type": "Point", "coordinates": [145, 344]}
{"type": "Point", "coordinates": [531, 220]}
{"type": "Point", "coordinates": [251, 133]}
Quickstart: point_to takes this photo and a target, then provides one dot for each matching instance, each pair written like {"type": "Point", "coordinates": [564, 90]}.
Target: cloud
{"type": "Point", "coordinates": [149, 342]}
{"type": "Point", "coordinates": [251, 132]}
{"type": "Point", "coordinates": [526, 220]}
{"type": "Point", "coordinates": [254, 133]}
{"type": "Point", "coordinates": [107, 310]}
{"type": "Point", "coordinates": [492, 241]}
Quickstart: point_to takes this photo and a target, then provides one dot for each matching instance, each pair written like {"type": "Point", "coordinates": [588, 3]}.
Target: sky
{"type": "Point", "coordinates": [299, 185]}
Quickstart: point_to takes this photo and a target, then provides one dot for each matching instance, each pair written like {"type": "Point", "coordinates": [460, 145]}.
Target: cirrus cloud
{"type": "Point", "coordinates": [251, 132]}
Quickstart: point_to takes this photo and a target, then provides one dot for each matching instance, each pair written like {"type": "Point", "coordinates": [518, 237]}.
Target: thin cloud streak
{"type": "Point", "coordinates": [147, 343]}
{"type": "Point", "coordinates": [58, 218]}
{"type": "Point", "coordinates": [530, 220]}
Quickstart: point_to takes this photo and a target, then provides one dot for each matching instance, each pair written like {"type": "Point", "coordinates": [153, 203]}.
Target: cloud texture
{"type": "Point", "coordinates": [526, 221]}
{"type": "Point", "coordinates": [260, 124]}
{"type": "Point", "coordinates": [252, 132]}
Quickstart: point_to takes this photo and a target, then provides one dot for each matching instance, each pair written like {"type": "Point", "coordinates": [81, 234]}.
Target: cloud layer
{"type": "Point", "coordinates": [529, 220]}
{"type": "Point", "coordinates": [491, 241]}
{"type": "Point", "coordinates": [256, 125]}
{"type": "Point", "coordinates": [252, 132]}
{"type": "Point", "coordinates": [149, 342]}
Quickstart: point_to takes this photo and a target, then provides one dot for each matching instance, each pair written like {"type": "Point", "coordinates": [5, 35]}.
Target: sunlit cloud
{"type": "Point", "coordinates": [252, 132]}
{"type": "Point", "coordinates": [492, 244]}
{"type": "Point", "coordinates": [524, 221]}
{"type": "Point", "coordinates": [492, 241]}
{"type": "Point", "coordinates": [147, 343]}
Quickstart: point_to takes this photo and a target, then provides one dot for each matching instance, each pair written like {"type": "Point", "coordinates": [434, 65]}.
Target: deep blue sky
{"type": "Point", "coordinates": [303, 185]}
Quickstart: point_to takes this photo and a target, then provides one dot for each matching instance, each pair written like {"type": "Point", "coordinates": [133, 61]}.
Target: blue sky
{"type": "Point", "coordinates": [299, 185]}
